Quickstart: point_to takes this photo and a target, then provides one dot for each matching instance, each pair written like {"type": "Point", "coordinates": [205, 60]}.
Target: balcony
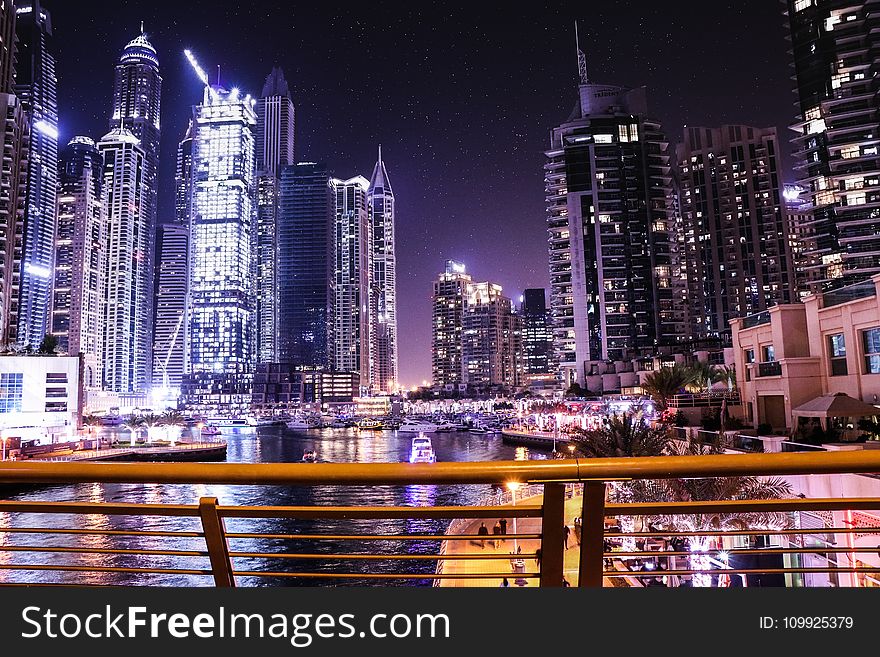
{"type": "Point", "coordinates": [757, 319]}
{"type": "Point", "coordinates": [842, 295]}
{"type": "Point", "coordinates": [772, 368]}
{"type": "Point", "coordinates": [83, 540]}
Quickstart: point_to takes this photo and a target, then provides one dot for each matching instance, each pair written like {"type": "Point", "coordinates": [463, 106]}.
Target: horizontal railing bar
{"type": "Point", "coordinates": [738, 571]}
{"type": "Point", "coordinates": [383, 557]}
{"type": "Point", "coordinates": [381, 537]}
{"type": "Point", "coordinates": [735, 551]}
{"type": "Point", "coordinates": [104, 569]}
{"type": "Point", "coordinates": [385, 512]}
{"type": "Point", "coordinates": [805, 531]}
{"type": "Point", "coordinates": [258, 573]}
{"type": "Point", "coordinates": [497, 472]}
{"type": "Point", "coordinates": [99, 532]}
{"type": "Point", "coordinates": [742, 506]}
{"type": "Point", "coordinates": [101, 508]}
{"type": "Point", "coordinates": [87, 550]}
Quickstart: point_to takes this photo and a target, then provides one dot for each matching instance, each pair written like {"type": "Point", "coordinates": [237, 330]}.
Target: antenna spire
{"type": "Point", "coordinates": [142, 27]}
{"type": "Point", "coordinates": [218, 75]}
{"type": "Point", "coordinates": [581, 57]}
{"type": "Point", "coordinates": [380, 152]}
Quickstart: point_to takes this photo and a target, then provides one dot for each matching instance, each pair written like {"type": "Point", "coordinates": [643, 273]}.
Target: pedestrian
{"type": "Point", "coordinates": [496, 531]}
{"type": "Point", "coordinates": [503, 523]}
{"type": "Point", "coordinates": [504, 583]}
{"type": "Point", "coordinates": [566, 530]}
{"type": "Point", "coordinates": [483, 531]}
{"type": "Point", "coordinates": [538, 557]}
{"type": "Point", "coordinates": [565, 582]}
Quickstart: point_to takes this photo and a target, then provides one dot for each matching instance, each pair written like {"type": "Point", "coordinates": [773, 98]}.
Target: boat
{"type": "Point", "coordinates": [368, 424]}
{"type": "Point", "coordinates": [422, 451]}
{"type": "Point", "coordinates": [479, 430]}
{"type": "Point", "coordinates": [446, 427]}
{"type": "Point", "coordinates": [309, 456]}
{"type": "Point", "coordinates": [300, 424]}
{"type": "Point", "coordinates": [209, 430]}
{"type": "Point", "coordinates": [237, 422]}
{"type": "Point", "coordinates": [415, 426]}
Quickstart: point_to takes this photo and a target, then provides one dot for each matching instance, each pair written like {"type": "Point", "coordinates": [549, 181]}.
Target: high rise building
{"type": "Point", "coordinates": [537, 335]}
{"type": "Point", "coordinates": [306, 264]}
{"type": "Point", "coordinates": [172, 280]}
{"type": "Point", "coordinates": [276, 119]}
{"type": "Point", "coordinates": [13, 179]}
{"type": "Point", "coordinates": [450, 292]}
{"type": "Point", "coordinates": [737, 242]}
{"type": "Point", "coordinates": [835, 48]}
{"type": "Point", "coordinates": [490, 338]}
{"type": "Point", "coordinates": [352, 334]}
{"type": "Point", "coordinates": [610, 225]}
{"type": "Point", "coordinates": [380, 205]}
{"type": "Point", "coordinates": [137, 95]}
{"type": "Point", "coordinates": [127, 288]}
{"type": "Point", "coordinates": [80, 250]}
{"type": "Point", "coordinates": [36, 88]}
{"type": "Point", "coordinates": [220, 336]}
{"type": "Point", "coordinates": [797, 212]}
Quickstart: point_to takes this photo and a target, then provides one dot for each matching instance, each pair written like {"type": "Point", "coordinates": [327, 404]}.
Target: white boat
{"type": "Point", "coordinates": [415, 426]}
{"type": "Point", "coordinates": [422, 451]}
{"type": "Point", "coordinates": [239, 422]}
{"type": "Point", "coordinates": [445, 427]}
{"type": "Point", "coordinates": [209, 430]}
{"type": "Point", "coordinates": [300, 424]}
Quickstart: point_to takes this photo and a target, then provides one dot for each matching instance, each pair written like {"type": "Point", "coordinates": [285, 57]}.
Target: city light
{"type": "Point", "coordinates": [38, 270]}
{"type": "Point", "coordinates": [46, 128]}
{"type": "Point", "coordinates": [195, 64]}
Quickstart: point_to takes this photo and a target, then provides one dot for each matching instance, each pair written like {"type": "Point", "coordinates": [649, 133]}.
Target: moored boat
{"type": "Point", "coordinates": [422, 451]}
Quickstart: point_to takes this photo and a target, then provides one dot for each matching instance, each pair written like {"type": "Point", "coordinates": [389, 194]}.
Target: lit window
{"type": "Point", "coordinates": [603, 139]}
{"type": "Point", "coordinates": [837, 354]}
{"type": "Point", "coordinates": [871, 340]}
{"type": "Point", "coordinates": [800, 5]}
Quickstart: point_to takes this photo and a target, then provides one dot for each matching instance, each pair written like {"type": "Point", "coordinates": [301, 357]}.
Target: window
{"type": "Point", "coordinates": [749, 355]}
{"type": "Point", "coordinates": [603, 139]}
{"type": "Point", "coordinates": [871, 339]}
{"type": "Point", "coordinates": [56, 377]}
{"type": "Point", "coordinates": [11, 392]}
{"type": "Point", "coordinates": [768, 354]}
{"type": "Point", "coordinates": [800, 5]}
{"type": "Point", "coordinates": [837, 354]}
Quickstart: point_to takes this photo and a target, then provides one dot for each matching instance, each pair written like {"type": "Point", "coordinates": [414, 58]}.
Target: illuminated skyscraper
{"type": "Point", "coordinates": [127, 289]}
{"type": "Point", "coordinates": [137, 91]}
{"type": "Point", "coordinates": [220, 336]}
{"type": "Point", "coordinates": [353, 339]}
{"type": "Point", "coordinates": [306, 264]}
{"type": "Point", "coordinates": [276, 119]}
{"type": "Point", "coordinates": [171, 280]}
{"type": "Point", "coordinates": [380, 204]}
{"type": "Point", "coordinates": [450, 291]}
{"type": "Point", "coordinates": [36, 88]}
{"type": "Point", "coordinates": [491, 345]}
{"type": "Point", "coordinates": [610, 226]}
{"type": "Point", "coordinates": [80, 267]}
{"type": "Point", "coordinates": [537, 335]}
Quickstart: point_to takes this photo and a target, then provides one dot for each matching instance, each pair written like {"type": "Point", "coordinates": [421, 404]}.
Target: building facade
{"type": "Point", "coordinates": [537, 337]}
{"type": "Point", "coordinates": [491, 339]}
{"type": "Point", "coordinates": [276, 123]}
{"type": "Point", "coordinates": [836, 63]}
{"type": "Point", "coordinates": [737, 241]}
{"type": "Point", "coordinates": [220, 335]}
{"type": "Point", "coordinates": [77, 319]}
{"type": "Point", "coordinates": [611, 230]}
{"type": "Point", "coordinates": [353, 337]}
{"type": "Point", "coordinates": [13, 177]}
{"type": "Point", "coordinates": [448, 301]}
{"type": "Point", "coordinates": [36, 87]}
{"type": "Point", "coordinates": [381, 209]}
{"type": "Point", "coordinates": [306, 264]}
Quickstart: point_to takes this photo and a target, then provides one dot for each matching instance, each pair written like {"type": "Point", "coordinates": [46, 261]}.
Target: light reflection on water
{"type": "Point", "coordinates": [267, 445]}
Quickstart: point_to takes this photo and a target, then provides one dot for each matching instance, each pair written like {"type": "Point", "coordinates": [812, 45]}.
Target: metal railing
{"type": "Point", "coordinates": [861, 290]}
{"type": "Point", "coordinates": [770, 368]}
{"type": "Point", "coordinates": [750, 321]}
{"type": "Point", "coordinates": [210, 550]}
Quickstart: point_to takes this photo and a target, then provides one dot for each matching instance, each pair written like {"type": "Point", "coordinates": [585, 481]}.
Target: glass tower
{"type": "Point", "coordinates": [306, 261]}
{"type": "Point", "coordinates": [220, 338]}
{"type": "Point", "coordinates": [36, 87]}
{"type": "Point", "coordinates": [450, 291]}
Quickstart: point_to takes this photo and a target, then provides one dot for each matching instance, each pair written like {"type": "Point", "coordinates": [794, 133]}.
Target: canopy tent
{"type": "Point", "coordinates": [838, 404]}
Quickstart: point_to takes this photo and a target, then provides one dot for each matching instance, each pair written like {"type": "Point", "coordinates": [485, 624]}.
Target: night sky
{"type": "Point", "coordinates": [461, 99]}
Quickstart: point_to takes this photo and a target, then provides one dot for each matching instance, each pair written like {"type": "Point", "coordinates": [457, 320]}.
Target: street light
{"type": "Point", "coordinates": [513, 486]}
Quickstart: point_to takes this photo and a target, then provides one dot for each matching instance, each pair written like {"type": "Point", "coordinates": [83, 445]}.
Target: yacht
{"type": "Point", "coordinates": [209, 430]}
{"type": "Point", "coordinates": [237, 422]}
{"type": "Point", "coordinates": [422, 451]}
{"type": "Point", "coordinates": [369, 424]}
{"type": "Point", "coordinates": [416, 426]}
{"type": "Point", "coordinates": [445, 427]}
{"type": "Point", "coordinates": [300, 424]}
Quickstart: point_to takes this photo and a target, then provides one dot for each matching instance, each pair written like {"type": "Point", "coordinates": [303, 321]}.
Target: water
{"type": "Point", "coordinates": [268, 445]}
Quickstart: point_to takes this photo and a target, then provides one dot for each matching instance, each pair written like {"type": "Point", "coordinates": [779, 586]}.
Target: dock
{"type": "Point", "coordinates": [201, 451]}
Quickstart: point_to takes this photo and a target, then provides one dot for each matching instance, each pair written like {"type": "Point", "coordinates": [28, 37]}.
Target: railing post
{"type": "Point", "coordinates": [215, 539]}
{"type": "Point", "coordinates": [552, 538]}
{"type": "Point", "coordinates": [592, 563]}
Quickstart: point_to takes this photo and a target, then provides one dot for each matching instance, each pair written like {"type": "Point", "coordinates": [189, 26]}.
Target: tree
{"type": "Point", "coordinates": [702, 376]}
{"type": "Point", "coordinates": [150, 421]}
{"type": "Point", "coordinates": [173, 420]}
{"type": "Point", "coordinates": [48, 345]}
{"type": "Point", "coordinates": [133, 423]}
{"type": "Point", "coordinates": [575, 390]}
{"type": "Point", "coordinates": [628, 434]}
{"type": "Point", "coordinates": [89, 422]}
{"type": "Point", "coordinates": [665, 383]}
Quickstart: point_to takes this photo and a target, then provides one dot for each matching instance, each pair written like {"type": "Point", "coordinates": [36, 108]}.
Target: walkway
{"type": "Point", "coordinates": [127, 452]}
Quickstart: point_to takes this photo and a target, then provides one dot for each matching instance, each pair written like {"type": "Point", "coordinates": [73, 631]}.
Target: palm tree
{"type": "Point", "coordinates": [726, 374]}
{"type": "Point", "coordinates": [90, 422]}
{"type": "Point", "coordinates": [702, 375]}
{"type": "Point", "coordinates": [628, 434]}
{"type": "Point", "coordinates": [173, 420]}
{"type": "Point", "coordinates": [665, 383]}
{"type": "Point", "coordinates": [133, 423]}
{"type": "Point", "coordinates": [151, 421]}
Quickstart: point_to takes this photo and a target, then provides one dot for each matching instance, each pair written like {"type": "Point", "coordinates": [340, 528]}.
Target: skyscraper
{"type": "Point", "coordinates": [274, 150]}
{"type": "Point", "coordinates": [352, 334]}
{"type": "Point", "coordinates": [836, 61]}
{"type": "Point", "coordinates": [36, 88]}
{"type": "Point", "coordinates": [450, 291]}
{"type": "Point", "coordinates": [610, 228]}
{"type": "Point", "coordinates": [537, 335]}
{"type": "Point", "coordinates": [490, 339]}
{"type": "Point", "coordinates": [13, 179]}
{"type": "Point", "coordinates": [380, 205]}
{"type": "Point", "coordinates": [172, 279]}
{"type": "Point", "coordinates": [276, 120]}
{"type": "Point", "coordinates": [80, 251]}
{"type": "Point", "coordinates": [737, 243]}
{"type": "Point", "coordinates": [306, 264]}
{"type": "Point", "coordinates": [127, 289]}
{"type": "Point", "coordinates": [137, 92]}
{"type": "Point", "coordinates": [220, 338]}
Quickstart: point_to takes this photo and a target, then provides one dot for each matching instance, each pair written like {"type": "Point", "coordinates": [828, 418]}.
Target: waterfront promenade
{"type": "Point", "coordinates": [178, 452]}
